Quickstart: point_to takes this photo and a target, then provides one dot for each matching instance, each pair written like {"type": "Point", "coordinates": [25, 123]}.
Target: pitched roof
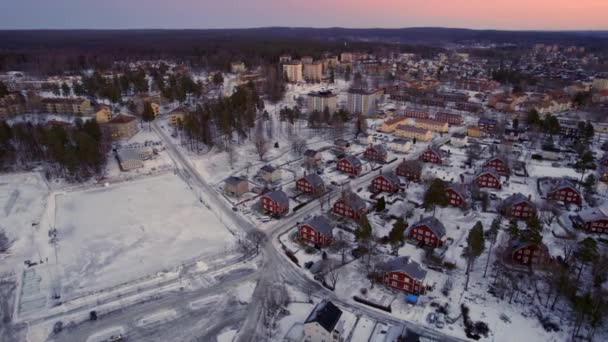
{"type": "Point", "coordinates": [414, 165]}
{"type": "Point", "coordinates": [395, 120]}
{"type": "Point", "coordinates": [378, 148]}
{"type": "Point", "coordinates": [459, 189]}
{"type": "Point", "coordinates": [433, 223]}
{"type": "Point", "coordinates": [563, 183]}
{"type": "Point", "coordinates": [406, 265]}
{"type": "Point", "coordinates": [488, 170]}
{"type": "Point", "coordinates": [268, 168]}
{"type": "Point", "coordinates": [353, 200]}
{"type": "Point", "coordinates": [413, 129]}
{"type": "Point", "coordinates": [352, 160]}
{"type": "Point", "coordinates": [314, 179]}
{"type": "Point", "coordinates": [326, 314]}
{"type": "Point", "coordinates": [321, 224]}
{"type": "Point", "coordinates": [591, 214]}
{"type": "Point", "coordinates": [279, 197]}
{"type": "Point", "coordinates": [391, 177]}
{"type": "Point", "coordinates": [310, 153]}
{"type": "Point", "coordinates": [516, 199]}
{"type": "Point", "coordinates": [233, 180]}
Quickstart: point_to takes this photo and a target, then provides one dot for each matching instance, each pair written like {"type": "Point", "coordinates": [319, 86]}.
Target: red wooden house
{"type": "Point", "coordinates": [498, 164]}
{"type": "Point", "coordinates": [311, 184]}
{"type": "Point", "coordinates": [592, 220]}
{"type": "Point", "coordinates": [411, 170]}
{"type": "Point", "coordinates": [565, 192]}
{"type": "Point", "coordinates": [488, 179]}
{"type": "Point", "coordinates": [275, 203]}
{"type": "Point", "coordinates": [350, 205]}
{"type": "Point", "coordinates": [457, 195]}
{"type": "Point", "coordinates": [375, 153]}
{"type": "Point", "coordinates": [432, 155]}
{"type": "Point", "coordinates": [350, 165]}
{"type": "Point", "coordinates": [385, 182]}
{"type": "Point", "coordinates": [528, 253]}
{"type": "Point", "coordinates": [518, 206]}
{"type": "Point", "coordinates": [317, 231]}
{"type": "Point", "coordinates": [404, 274]}
{"type": "Point", "coordinates": [428, 231]}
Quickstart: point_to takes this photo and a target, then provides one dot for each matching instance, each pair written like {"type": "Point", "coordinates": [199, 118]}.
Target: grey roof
{"type": "Point", "coordinates": [234, 180]}
{"type": "Point", "coordinates": [460, 189]}
{"type": "Point", "coordinates": [379, 149]}
{"type": "Point", "coordinates": [354, 201]}
{"type": "Point", "coordinates": [314, 179]}
{"type": "Point", "coordinates": [353, 161]}
{"type": "Point", "coordinates": [391, 177]}
{"type": "Point", "coordinates": [488, 170]}
{"type": "Point", "coordinates": [515, 199]}
{"type": "Point", "coordinates": [321, 224]}
{"type": "Point", "coordinates": [435, 150]}
{"type": "Point", "coordinates": [433, 223]}
{"type": "Point", "coordinates": [406, 265]}
{"type": "Point", "coordinates": [412, 164]}
{"type": "Point", "coordinates": [501, 158]}
{"type": "Point", "coordinates": [268, 168]}
{"type": "Point", "coordinates": [563, 183]}
{"type": "Point", "coordinates": [280, 197]}
{"type": "Point", "coordinates": [311, 153]}
{"type": "Point", "coordinates": [125, 154]}
{"type": "Point", "coordinates": [459, 135]}
{"type": "Point", "coordinates": [592, 214]}
{"type": "Point", "coordinates": [326, 314]}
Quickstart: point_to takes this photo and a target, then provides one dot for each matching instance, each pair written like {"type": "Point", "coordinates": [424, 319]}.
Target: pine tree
{"type": "Point", "coordinates": [364, 231]}
{"type": "Point", "coordinates": [3, 89]}
{"type": "Point", "coordinates": [380, 204]}
{"type": "Point", "coordinates": [475, 245]}
{"type": "Point", "coordinates": [396, 235]}
{"type": "Point", "coordinates": [148, 113]}
{"type": "Point", "coordinates": [435, 195]}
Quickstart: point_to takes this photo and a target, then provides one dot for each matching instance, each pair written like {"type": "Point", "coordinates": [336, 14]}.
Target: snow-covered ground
{"type": "Point", "coordinates": [114, 234]}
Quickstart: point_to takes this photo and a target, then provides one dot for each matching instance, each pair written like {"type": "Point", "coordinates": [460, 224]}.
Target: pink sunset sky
{"type": "Point", "coordinates": [490, 14]}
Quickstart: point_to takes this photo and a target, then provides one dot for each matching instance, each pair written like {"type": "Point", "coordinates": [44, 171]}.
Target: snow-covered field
{"type": "Point", "coordinates": [128, 230]}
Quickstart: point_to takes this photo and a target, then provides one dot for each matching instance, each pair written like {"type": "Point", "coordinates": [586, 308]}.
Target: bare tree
{"type": "Point", "coordinates": [332, 276]}
{"type": "Point", "coordinates": [257, 238]}
{"type": "Point", "coordinates": [340, 245]}
{"type": "Point", "coordinates": [549, 212]}
{"type": "Point", "coordinates": [261, 145]}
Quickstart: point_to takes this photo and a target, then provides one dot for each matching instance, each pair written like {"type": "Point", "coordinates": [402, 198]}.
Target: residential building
{"type": "Point", "coordinates": [129, 159]}
{"type": "Point", "coordinates": [416, 114]}
{"type": "Point", "coordinates": [528, 253]}
{"type": "Point", "coordinates": [412, 132]}
{"type": "Point", "coordinates": [177, 116]}
{"type": "Point", "coordinates": [311, 184]}
{"type": "Point", "coordinates": [488, 179]}
{"type": "Point", "coordinates": [474, 131]}
{"type": "Point", "coordinates": [319, 100]}
{"type": "Point", "coordinates": [518, 206]}
{"type": "Point", "coordinates": [459, 140]}
{"type": "Point", "coordinates": [498, 164]}
{"type": "Point", "coordinates": [432, 155]}
{"type": "Point", "coordinates": [429, 231]}
{"type": "Point", "coordinates": [350, 205]}
{"type": "Point", "coordinates": [400, 145]}
{"type": "Point", "coordinates": [324, 324]}
{"type": "Point", "coordinates": [122, 126]}
{"type": "Point", "coordinates": [77, 106]}
{"type": "Point", "coordinates": [312, 159]}
{"type": "Point", "coordinates": [410, 169]}
{"type": "Point", "coordinates": [317, 231]}
{"type": "Point", "coordinates": [12, 104]}
{"type": "Point", "coordinates": [390, 125]}
{"type": "Point", "coordinates": [103, 114]}
{"type": "Point", "coordinates": [270, 174]}
{"type": "Point", "coordinates": [275, 203]}
{"type": "Point", "coordinates": [293, 71]}
{"type": "Point", "coordinates": [450, 118]}
{"type": "Point", "coordinates": [458, 195]}
{"type": "Point", "coordinates": [488, 126]}
{"type": "Point", "coordinates": [313, 72]}
{"type": "Point", "coordinates": [404, 274]}
{"type": "Point", "coordinates": [236, 186]}
{"type": "Point", "coordinates": [140, 101]}
{"type": "Point", "coordinates": [350, 165]}
{"type": "Point", "coordinates": [592, 220]}
{"type": "Point", "coordinates": [564, 191]}
{"type": "Point", "coordinates": [364, 102]}
{"type": "Point", "coordinates": [432, 125]}
{"type": "Point", "coordinates": [385, 182]}
{"type": "Point", "coordinates": [376, 153]}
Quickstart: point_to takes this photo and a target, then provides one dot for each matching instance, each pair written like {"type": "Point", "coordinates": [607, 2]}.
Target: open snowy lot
{"type": "Point", "coordinates": [109, 236]}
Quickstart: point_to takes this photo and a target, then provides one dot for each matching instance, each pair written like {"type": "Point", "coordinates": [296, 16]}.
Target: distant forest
{"type": "Point", "coordinates": [53, 51]}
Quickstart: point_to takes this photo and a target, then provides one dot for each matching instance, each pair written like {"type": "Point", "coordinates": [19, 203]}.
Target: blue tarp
{"type": "Point", "coordinates": [412, 299]}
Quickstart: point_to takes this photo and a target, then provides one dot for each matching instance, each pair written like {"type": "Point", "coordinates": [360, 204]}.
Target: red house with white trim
{"type": "Point", "coordinates": [498, 164]}
{"type": "Point", "coordinates": [528, 253]}
{"type": "Point", "coordinates": [350, 165]}
{"type": "Point", "coordinates": [428, 231]}
{"type": "Point", "coordinates": [488, 179]}
{"type": "Point", "coordinates": [592, 220]}
{"type": "Point", "coordinates": [457, 195]}
{"type": "Point", "coordinates": [432, 155]}
{"type": "Point", "coordinates": [317, 231]}
{"type": "Point", "coordinates": [275, 203]}
{"type": "Point", "coordinates": [404, 274]}
{"type": "Point", "coordinates": [311, 184]}
{"type": "Point", "coordinates": [566, 192]}
{"type": "Point", "coordinates": [518, 206]}
{"type": "Point", "coordinates": [350, 205]}
{"type": "Point", "coordinates": [375, 153]}
{"type": "Point", "coordinates": [386, 182]}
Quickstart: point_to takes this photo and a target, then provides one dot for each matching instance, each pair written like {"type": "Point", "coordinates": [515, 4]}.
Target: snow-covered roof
{"type": "Point", "coordinates": [321, 224]}
{"type": "Point", "coordinates": [591, 215]}
{"type": "Point", "coordinates": [268, 168]}
{"type": "Point", "coordinates": [434, 224]}
{"type": "Point", "coordinates": [314, 179]}
{"type": "Point", "coordinates": [354, 201]}
{"type": "Point", "coordinates": [279, 196]}
{"type": "Point", "coordinates": [516, 199]}
{"type": "Point", "coordinates": [406, 265]}
{"type": "Point", "coordinates": [353, 161]}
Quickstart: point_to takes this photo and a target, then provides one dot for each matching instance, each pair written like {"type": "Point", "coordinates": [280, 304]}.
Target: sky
{"type": "Point", "coordinates": [193, 14]}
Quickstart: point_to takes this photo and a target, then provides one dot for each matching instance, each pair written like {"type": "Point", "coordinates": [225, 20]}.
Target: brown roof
{"type": "Point", "coordinates": [121, 118]}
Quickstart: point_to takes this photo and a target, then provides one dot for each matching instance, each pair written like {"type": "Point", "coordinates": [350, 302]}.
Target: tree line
{"type": "Point", "coordinates": [74, 152]}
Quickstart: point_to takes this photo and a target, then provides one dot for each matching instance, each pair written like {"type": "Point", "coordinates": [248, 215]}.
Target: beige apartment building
{"type": "Point", "coordinates": [103, 113]}
{"type": "Point", "coordinates": [412, 132]}
{"type": "Point", "coordinates": [293, 71]}
{"type": "Point", "coordinates": [390, 125]}
{"type": "Point", "coordinates": [319, 100]}
{"type": "Point", "coordinates": [122, 126]}
{"type": "Point", "coordinates": [433, 125]}
{"type": "Point", "coordinates": [313, 72]}
{"type": "Point", "coordinates": [67, 106]}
